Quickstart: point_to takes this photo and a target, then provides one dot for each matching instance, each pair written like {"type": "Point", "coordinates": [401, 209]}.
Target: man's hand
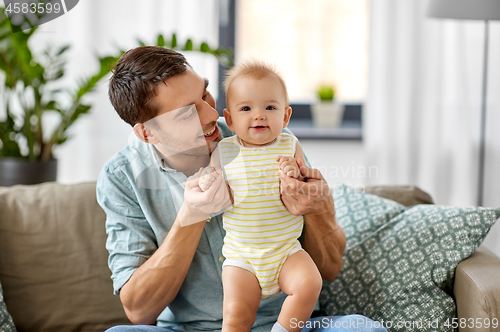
{"type": "Point", "coordinates": [310, 196]}
{"type": "Point", "coordinates": [323, 238]}
{"type": "Point", "coordinates": [198, 204]}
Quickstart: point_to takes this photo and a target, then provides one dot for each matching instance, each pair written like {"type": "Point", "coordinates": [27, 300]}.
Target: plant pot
{"type": "Point", "coordinates": [327, 114]}
{"type": "Point", "coordinates": [22, 171]}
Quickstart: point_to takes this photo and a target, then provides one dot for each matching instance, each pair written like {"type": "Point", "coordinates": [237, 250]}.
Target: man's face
{"type": "Point", "coordinates": [187, 120]}
{"type": "Point", "coordinates": [256, 109]}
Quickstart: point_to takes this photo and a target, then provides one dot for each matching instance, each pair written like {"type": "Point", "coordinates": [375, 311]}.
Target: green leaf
{"type": "Point", "coordinates": [174, 41]}
{"type": "Point", "coordinates": [140, 42]}
{"type": "Point", "coordinates": [63, 50]}
{"type": "Point", "coordinates": [326, 92]}
{"type": "Point", "coordinates": [81, 109]}
{"type": "Point", "coordinates": [8, 147]}
{"type": "Point", "coordinates": [51, 105]}
{"type": "Point", "coordinates": [161, 41]}
{"type": "Point", "coordinates": [88, 85]}
{"type": "Point", "coordinates": [204, 48]}
{"type": "Point", "coordinates": [189, 45]}
{"type": "Point", "coordinates": [62, 140]}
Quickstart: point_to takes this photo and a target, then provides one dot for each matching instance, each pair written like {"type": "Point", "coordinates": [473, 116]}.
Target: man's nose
{"type": "Point", "coordinates": [207, 113]}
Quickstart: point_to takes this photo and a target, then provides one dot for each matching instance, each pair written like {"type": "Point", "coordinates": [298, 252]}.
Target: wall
{"type": "Point", "coordinates": [340, 161]}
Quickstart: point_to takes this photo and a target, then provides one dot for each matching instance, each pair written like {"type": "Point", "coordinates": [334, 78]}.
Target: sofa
{"type": "Point", "coordinates": [54, 273]}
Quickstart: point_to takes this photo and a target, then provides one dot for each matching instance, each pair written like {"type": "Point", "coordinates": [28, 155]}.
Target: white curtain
{"type": "Point", "coordinates": [421, 124]}
{"type": "Point", "coordinates": [102, 27]}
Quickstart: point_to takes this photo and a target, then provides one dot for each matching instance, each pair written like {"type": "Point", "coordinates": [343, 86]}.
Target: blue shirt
{"type": "Point", "coordinates": [141, 195]}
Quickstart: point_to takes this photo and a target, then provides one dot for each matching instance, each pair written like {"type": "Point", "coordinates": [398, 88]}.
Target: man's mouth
{"type": "Point", "coordinates": [211, 132]}
{"type": "Point", "coordinates": [211, 135]}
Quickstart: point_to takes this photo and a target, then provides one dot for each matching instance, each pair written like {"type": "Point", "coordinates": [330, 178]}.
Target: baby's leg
{"type": "Point", "coordinates": [241, 299]}
{"type": "Point", "coordinates": [301, 280]}
{"type": "Point", "coordinates": [207, 177]}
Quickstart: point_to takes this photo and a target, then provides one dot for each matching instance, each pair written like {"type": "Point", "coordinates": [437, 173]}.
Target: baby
{"type": "Point", "coordinates": [261, 247]}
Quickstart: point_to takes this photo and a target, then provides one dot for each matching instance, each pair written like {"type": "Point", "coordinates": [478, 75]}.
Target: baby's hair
{"type": "Point", "coordinates": [256, 70]}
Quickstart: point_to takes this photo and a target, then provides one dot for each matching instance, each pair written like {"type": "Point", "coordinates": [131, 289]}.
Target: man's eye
{"type": "Point", "coordinates": [189, 113]}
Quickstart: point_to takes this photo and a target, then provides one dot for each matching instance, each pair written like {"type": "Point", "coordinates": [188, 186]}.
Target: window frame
{"type": "Point", "coordinates": [353, 112]}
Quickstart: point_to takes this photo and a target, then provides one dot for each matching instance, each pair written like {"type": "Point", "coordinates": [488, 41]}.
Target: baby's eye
{"type": "Point", "coordinates": [245, 108]}
{"type": "Point", "coordinates": [270, 108]}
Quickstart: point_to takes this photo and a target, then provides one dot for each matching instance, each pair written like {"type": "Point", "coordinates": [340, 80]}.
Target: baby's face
{"type": "Point", "coordinates": [256, 109]}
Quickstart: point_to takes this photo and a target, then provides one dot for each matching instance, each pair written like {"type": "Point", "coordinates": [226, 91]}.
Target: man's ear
{"type": "Point", "coordinates": [229, 120]}
{"type": "Point", "coordinates": [144, 133]}
{"type": "Point", "coordinates": [288, 115]}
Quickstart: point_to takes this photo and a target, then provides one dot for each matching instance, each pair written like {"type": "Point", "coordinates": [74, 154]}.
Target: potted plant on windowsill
{"type": "Point", "coordinates": [327, 112]}
{"type": "Point", "coordinates": [29, 91]}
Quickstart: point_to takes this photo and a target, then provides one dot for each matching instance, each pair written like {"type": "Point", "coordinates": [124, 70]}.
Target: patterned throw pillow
{"type": "Point", "coordinates": [6, 323]}
{"type": "Point", "coordinates": [401, 274]}
{"type": "Point", "coordinates": [360, 214]}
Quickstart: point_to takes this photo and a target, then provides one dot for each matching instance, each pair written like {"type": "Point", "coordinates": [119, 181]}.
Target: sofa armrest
{"type": "Point", "coordinates": [406, 195]}
{"type": "Point", "coordinates": [477, 290]}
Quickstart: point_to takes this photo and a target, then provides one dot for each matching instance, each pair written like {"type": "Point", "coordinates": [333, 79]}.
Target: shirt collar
{"type": "Point", "coordinates": [159, 161]}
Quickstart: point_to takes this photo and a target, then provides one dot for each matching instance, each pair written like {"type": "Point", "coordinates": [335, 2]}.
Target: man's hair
{"type": "Point", "coordinates": [256, 70]}
{"type": "Point", "coordinates": [135, 78]}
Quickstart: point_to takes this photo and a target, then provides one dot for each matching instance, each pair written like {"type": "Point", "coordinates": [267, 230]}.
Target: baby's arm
{"type": "Point", "coordinates": [209, 174]}
{"type": "Point", "coordinates": [288, 164]}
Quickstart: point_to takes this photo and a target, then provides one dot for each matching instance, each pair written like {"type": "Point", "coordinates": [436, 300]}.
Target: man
{"type": "Point", "coordinates": [165, 273]}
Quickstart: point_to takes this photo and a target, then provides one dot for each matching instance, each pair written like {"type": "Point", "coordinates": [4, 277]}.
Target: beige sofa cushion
{"type": "Point", "coordinates": [53, 261]}
{"type": "Point", "coordinates": [406, 195]}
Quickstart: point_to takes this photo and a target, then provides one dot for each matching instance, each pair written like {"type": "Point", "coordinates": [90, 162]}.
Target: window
{"type": "Point", "coordinates": [310, 42]}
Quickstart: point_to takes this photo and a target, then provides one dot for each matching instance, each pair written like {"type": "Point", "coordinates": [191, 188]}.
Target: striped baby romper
{"type": "Point", "coordinates": [260, 232]}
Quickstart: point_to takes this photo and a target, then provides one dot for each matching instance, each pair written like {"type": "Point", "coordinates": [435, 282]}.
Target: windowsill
{"type": "Point", "coordinates": [301, 124]}
{"type": "Point", "coordinates": [305, 128]}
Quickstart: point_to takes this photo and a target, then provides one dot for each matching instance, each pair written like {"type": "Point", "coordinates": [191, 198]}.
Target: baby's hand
{"type": "Point", "coordinates": [207, 177]}
{"type": "Point", "coordinates": [289, 166]}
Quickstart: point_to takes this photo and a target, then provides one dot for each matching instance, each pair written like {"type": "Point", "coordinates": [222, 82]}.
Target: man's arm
{"type": "Point", "coordinates": [156, 282]}
{"type": "Point", "coordinates": [323, 239]}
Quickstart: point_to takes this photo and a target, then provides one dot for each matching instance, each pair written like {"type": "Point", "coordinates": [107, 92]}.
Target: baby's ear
{"type": "Point", "coordinates": [229, 120]}
{"type": "Point", "coordinates": [287, 116]}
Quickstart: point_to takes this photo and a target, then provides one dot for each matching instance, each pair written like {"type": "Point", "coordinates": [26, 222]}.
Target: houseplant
{"type": "Point", "coordinates": [326, 112]}
{"type": "Point", "coordinates": [30, 92]}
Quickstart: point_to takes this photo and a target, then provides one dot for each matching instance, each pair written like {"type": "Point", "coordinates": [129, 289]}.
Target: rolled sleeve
{"type": "Point", "coordinates": [131, 240]}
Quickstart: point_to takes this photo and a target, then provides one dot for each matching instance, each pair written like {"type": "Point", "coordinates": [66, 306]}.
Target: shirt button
{"type": "Point", "coordinates": [209, 219]}
{"type": "Point", "coordinates": [221, 259]}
